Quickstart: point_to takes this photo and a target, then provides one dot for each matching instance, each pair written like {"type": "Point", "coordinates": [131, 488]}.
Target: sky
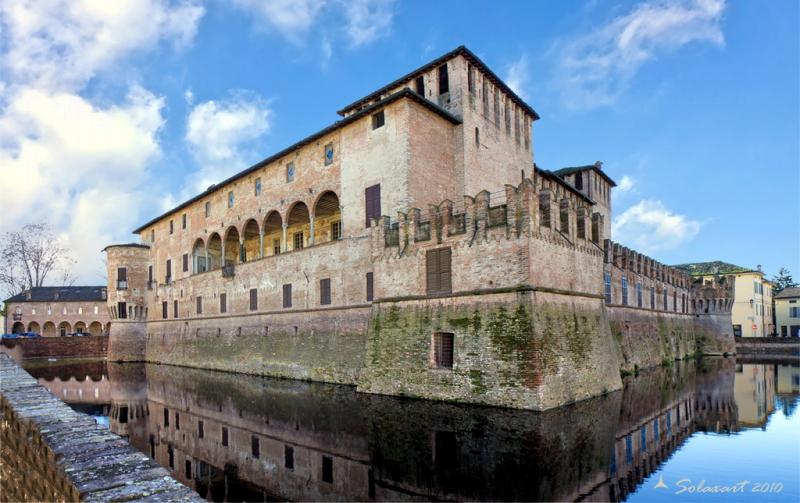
{"type": "Point", "coordinates": [113, 112]}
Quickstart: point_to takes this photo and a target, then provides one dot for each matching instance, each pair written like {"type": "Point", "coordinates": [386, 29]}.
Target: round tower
{"type": "Point", "coordinates": [128, 275]}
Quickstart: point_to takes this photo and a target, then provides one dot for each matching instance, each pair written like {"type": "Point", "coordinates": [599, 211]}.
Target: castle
{"type": "Point", "coordinates": [355, 257]}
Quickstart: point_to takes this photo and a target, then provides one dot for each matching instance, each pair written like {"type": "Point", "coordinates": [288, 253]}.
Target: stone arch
{"type": "Point", "coordinates": [18, 328]}
{"type": "Point", "coordinates": [80, 327]}
{"type": "Point", "coordinates": [273, 234]}
{"type": "Point", "coordinates": [96, 328]}
{"type": "Point", "coordinates": [327, 217]}
{"type": "Point", "coordinates": [298, 223]}
{"type": "Point", "coordinates": [232, 246]}
{"type": "Point", "coordinates": [252, 240]}
{"type": "Point", "coordinates": [64, 328]}
{"type": "Point", "coordinates": [214, 251]}
{"type": "Point", "coordinates": [199, 256]}
{"type": "Point", "coordinates": [34, 327]}
{"type": "Point", "coordinates": [49, 329]}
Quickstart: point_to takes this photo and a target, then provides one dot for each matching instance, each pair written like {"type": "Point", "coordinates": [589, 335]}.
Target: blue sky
{"type": "Point", "coordinates": [110, 114]}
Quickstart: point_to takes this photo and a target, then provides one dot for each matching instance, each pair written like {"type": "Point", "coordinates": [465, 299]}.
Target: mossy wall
{"type": "Point", "coordinates": [520, 349]}
{"type": "Point", "coordinates": [325, 346]}
{"type": "Point", "coordinates": [648, 338]}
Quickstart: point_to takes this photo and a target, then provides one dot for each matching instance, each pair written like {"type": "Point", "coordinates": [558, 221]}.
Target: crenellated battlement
{"type": "Point", "coordinates": [626, 259]}
{"type": "Point", "coordinates": [713, 296]}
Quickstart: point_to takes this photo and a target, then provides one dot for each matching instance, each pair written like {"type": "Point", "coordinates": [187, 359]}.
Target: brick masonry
{"type": "Point", "coordinates": [52, 453]}
{"type": "Point", "coordinates": [56, 347]}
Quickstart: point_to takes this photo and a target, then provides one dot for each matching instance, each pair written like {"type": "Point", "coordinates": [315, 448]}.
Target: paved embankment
{"type": "Point", "coordinates": [95, 346]}
{"type": "Point", "coordinates": [768, 345]}
{"type": "Point", "coordinates": [52, 453]}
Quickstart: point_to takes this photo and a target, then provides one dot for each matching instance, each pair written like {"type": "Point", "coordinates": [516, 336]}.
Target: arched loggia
{"type": "Point", "coordinates": [298, 224]}
{"type": "Point", "coordinates": [327, 221]}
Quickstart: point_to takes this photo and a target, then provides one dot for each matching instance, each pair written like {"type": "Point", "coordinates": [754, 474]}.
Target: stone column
{"type": "Point", "coordinates": [284, 233]}
{"type": "Point", "coordinates": [261, 243]}
{"type": "Point", "coordinates": [242, 251]}
{"type": "Point", "coordinates": [482, 212]}
{"type": "Point", "coordinates": [311, 230]}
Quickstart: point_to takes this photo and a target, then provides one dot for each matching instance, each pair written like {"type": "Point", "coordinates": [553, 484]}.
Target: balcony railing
{"type": "Point", "coordinates": [122, 284]}
{"type": "Point", "coordinates": [227, 270]}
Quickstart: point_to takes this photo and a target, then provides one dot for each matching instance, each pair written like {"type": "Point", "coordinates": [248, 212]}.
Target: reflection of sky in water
{"type": "Point", "coordinates": [102, 420]}
{"type": "Point", "coordinates": [767, 457]}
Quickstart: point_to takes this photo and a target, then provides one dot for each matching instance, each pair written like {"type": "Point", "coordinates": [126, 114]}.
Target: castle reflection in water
{"type": "Point", "coordinates": [244, 438]}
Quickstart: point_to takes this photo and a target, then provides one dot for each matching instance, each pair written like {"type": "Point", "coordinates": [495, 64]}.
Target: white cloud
{"type": "Point", "coordinates": [61, 44]}
{"type": "Point", "coordinates": [649, 226]}
{"type": "Point", "coordinates": [219, 133]}
{"type": "Point", "coordinates": [595, 69]}
{"type": "Point", "coordinates": [625, 184]}
{"type": "Point", "coordinates": [517, 76]}
{"type": "Point", "coordinates": [81, 166]}
{"type": "Point", "coordinates": [367, 20]}
{"type": "Point", "coordinates": [364, 20]}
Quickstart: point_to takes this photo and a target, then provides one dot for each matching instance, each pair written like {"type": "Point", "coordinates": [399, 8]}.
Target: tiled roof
{"type": "Point", "coordinates": [789, 293]}
{"type": "Point", "coordinates": [715, 267]}
{"type": "Point", "coordinates": [576, 169]}
{"type": "Point", "coordinates": [60, 294]}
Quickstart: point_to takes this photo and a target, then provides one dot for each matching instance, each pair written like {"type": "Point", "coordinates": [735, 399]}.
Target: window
{"type": "Point", "coordinates": [174, 308]}
{"type": "Point", "coordinates": [287, 295]}
{"type": "Point", "coordinates": [477, 137]}
{"type": "Point", "coordinates": [325, 291]}
{"type": "Point", "coordinates": [171, 226]}
{"type": "Point", "coordinates": [607, 286]}
{"type": "Point", "coordinates": [171, 455]}
{"type": "Point", "coordinates": [444, 82]}
{"type": "Point", "coordinates": [257, 186]}
{"type": "Point", "coordinates": [276, 246]}
{"type": "Point", "coordinates": [328, 154]}
{"type": "Point", "coordinates": [652, 297]}
{"type": "Point", "coordinates": [288, 457]}
{"type": "Point", "coordinates": [150, 276]}
{"type": "Point", "coordinates": [372, 203]}
{"type": "Point", "coordinates": [442, 343]}
{"type": "Point", "coordinates": [122, 278]}
{"type": "Point", "coordinates": [419, 84]}
{"type": "Point", "coordinates": [639, 301]}
{"type": "Point", "coordinates": [666, 295]}
{"type": "Point", "coordinates": [563, 214]}
{"type": "Point", "coordinates": [177, 420]}
{"type": "Point", "coordinates": [168, 276]}
{"type": "Point", "coordinates": [255, 446]}
{"type": "Point", "coordinates": [183, 221]}
{"type": "Point", "coordinates": [794, 312]}
{"type": "Point", "coordinates": [152, 235]}
{"type": "Point", "coordinates": [230, 199]}
{"type": "Point", "coordinates": [470, 79]}
{"type": "Point", "coordinates": [737, 330]}
{"type": "Point", "coordinates": [199, 305]}
{"type": "Point", "coordinates": [544, 209]}
{"type": "Point", "coordinates": [336, 230]}
{"type": "Point", "coordinates": [624, 291]}
{"type": "Point", "coordinates": [188, 469]}
{"type": "Point", "coordinates": [327, 469]}
{"type": "Point", "coordinates": [224, 436]}
{"type": "Point", "coordinates": [164, 310]}
{"type": "Point", "coordinates": [208, 209]}
{"type": "Point", "coordinates": [253, 299]}
{"type": "Point", "coordinates": [297, 239]}
{"type": "Point", "coordinates": [370, 292]}
{"type": "Point", "coordinates": [378, 120]}
{"type": "Point", "coordinates": [290, 172]}
{"type": "Point", "coordinates": [437, 266]}
{"type": "Point", "coordinates": [185, 262]}
{"type": "Point", "coordinates": [166, 417]}
{"type": "Point", "coordinates": [122, 310]}
{"type": "Point", "coordinates": [581, 224]}
{"type": "Point", "coordinates": [579, 181]}
{"type": "Point", "coordinates": [96, 310]}
{"type": "Point", "coordinates": [223, 303]}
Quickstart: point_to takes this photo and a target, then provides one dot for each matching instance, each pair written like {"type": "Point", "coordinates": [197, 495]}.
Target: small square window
{"type": "Point", "coordinates": [442, 350]}
{"type": "Point", "coordinates": [378, 120]}
{"type": "Point", "coordinates": [328, 154]}
{"type": "Point", "coordinates": [230, 199]}
{"type": "Point", "coordinates": [290, 172]}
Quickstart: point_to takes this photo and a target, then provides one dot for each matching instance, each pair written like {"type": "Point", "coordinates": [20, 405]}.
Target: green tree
{"type": "Point", "coordinates": [782, 280]}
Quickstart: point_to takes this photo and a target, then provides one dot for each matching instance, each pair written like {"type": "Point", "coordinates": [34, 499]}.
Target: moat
{"type": "Point", "coordinates": [701, 427]}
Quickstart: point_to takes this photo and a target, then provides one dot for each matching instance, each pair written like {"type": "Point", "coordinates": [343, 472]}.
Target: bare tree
{"type": "Point", "coordinates": [28, 256]}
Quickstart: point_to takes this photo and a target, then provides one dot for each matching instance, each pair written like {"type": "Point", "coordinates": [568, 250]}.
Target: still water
{"type": "Point", "coordinates": [712, 430]}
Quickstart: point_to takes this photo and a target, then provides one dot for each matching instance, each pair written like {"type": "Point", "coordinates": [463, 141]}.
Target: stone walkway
{"type": "Point", "coordinates": [50, 452]}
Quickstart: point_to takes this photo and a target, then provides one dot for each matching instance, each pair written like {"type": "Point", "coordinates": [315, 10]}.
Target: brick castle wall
{"type": "Point", "coordinates": [56, 347]}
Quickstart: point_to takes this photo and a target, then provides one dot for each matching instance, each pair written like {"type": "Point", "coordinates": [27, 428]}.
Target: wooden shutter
{"type": "Point", "coordinates": [370, 287]}
{"type": "Point", "coordinates": [372, 203]}
{"type": "Point", "coordinates": [325, 291]}
{"type": "Point", "coordinates": [287, 295]}
{"type": "Point", "coordinates": [438, 271]}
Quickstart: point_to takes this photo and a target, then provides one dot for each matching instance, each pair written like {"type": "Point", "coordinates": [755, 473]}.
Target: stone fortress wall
{"type": "Point", "coordinates": [292, 268]}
